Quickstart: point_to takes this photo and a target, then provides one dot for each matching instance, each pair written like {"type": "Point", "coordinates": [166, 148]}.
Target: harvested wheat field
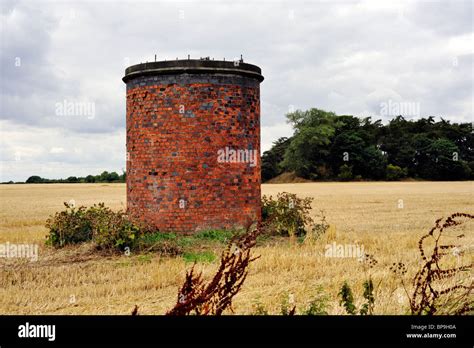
{"type": "Point", "coordinates": [386, 219]}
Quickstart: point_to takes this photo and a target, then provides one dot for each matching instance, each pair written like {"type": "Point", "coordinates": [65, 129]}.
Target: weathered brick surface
{"type": "Point", "coordinates": [176, 124]}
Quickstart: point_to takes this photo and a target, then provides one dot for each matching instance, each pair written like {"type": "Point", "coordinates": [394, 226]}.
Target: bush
{"type": "Point", "coordinates": [106, 228]}
{"type": "Point", "coordinates": [318, 229]}
{"type": "Point", "coordinates": [113, 230]}
{"type": "Point", "coordinates": [288, 215]}
{"type": "Point", "coordinates": [395, 172]}
{"type": "Point", "coordinates": [69, 227]}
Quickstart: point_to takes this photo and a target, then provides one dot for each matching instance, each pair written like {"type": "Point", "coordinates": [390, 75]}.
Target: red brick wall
{"type": "Point", "coordinates": [175, 129]}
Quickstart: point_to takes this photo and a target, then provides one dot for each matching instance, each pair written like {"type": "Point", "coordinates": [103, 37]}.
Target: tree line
{"type": "Point", "coordinates": [103, 177]}
{"type": "Point", "coordinates": [326, 146]}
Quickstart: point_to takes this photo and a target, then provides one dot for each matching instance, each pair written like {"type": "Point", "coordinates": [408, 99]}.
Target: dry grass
{"type": "Point", "coordinates": [77, 281]}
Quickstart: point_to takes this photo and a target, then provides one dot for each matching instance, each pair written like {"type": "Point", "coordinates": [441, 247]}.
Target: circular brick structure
{"type": "Point", "coordinates": [193, 144]}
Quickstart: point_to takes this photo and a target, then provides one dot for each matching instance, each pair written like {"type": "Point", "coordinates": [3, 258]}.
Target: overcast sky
{"type": "Point", "coordinates": [365, 58]}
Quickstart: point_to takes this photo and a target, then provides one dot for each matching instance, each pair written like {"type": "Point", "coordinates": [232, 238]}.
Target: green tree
{"type": "Point", "coordinates": [423, 163]}
{"type": "Point", "coordinates": [308, 152]}
{"type": "Point", "coordinates": [373, 163]}
{"type": "Point", "coordinates": [90, 178]}
{"type": "Point", "coordinates": [445, 161]}
{"type": "Point", "coordinates": [123, 177]}
{"type": "Point", "coordinates": [271, 159]}
{"type": "Point", "coordinates": [347, 148]}
{"type": "Point", "coordinates": [35, 179]}
{"type": "Point", "coordinates": [104, 176]}
{"type": "Point", "coordinates": [112, 177]}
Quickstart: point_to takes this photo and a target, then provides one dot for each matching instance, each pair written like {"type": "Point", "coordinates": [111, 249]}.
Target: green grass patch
{"type": "Point", "coordinates": [204, 256]}
{"type": "Point", "coordinates": [215, 235]}
{"type": "Point", "coordinates": [186, 241]}
{"type": "Point", "coordinates": [199, 247]}
{"type": "Point", "coordinates": [152, 238]}
{"type": "Point", "coordinates": [144, 258]}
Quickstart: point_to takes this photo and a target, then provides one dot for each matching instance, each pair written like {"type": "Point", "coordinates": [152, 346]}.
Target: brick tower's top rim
{"type": "Point", "coordinates": [193, 66]}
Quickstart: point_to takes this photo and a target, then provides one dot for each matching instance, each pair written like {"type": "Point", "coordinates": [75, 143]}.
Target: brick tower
{"type": "Point", "coordinates": [193, 144]}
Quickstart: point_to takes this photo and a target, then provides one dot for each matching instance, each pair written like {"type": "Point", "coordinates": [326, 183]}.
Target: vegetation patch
{"type": "Point", "coordinates": [205, 256]}
{"type": "Point", "coordinates": [287, 215]}
{"type": "Point", "coordinates": [326, 146]}
{"type": "Point", "coordinates": [113, 230]}
{"type": "Point", "coordinates": [108, 229]}
{"type": "Point", "coordinates": [222, 236]}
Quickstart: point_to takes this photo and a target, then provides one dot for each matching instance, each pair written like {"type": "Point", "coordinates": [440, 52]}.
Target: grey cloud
{"type": "Point", "coordinates": [347, 57]}
{"type": "Point", "coordinates": [444, 17]}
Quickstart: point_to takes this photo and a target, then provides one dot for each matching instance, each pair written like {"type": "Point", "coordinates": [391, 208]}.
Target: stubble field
{"type": "Point", "coordinates": [387, 219]}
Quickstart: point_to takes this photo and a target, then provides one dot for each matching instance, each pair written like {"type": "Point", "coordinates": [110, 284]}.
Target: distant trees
{"type": "Point", "coordinates": [272, 158]}
{"type": "Point", "coordinates": [35, 179]}
{"type": "Point", "coordinates": [309, 150]}
{"type": "Point", "coordinates": [103, 177]}
{"type": "Point", "coordinates": [90, 178]}
{"type": "Point", "coordinates": [112, 177]}
{"type": "Point", "coordinates": [72, 179]}
{"type": "Point", "coordinates": [326, 146]}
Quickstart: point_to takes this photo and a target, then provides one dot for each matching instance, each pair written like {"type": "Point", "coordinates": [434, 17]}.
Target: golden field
{"type": "Point", "coordinates": [386, 218]}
